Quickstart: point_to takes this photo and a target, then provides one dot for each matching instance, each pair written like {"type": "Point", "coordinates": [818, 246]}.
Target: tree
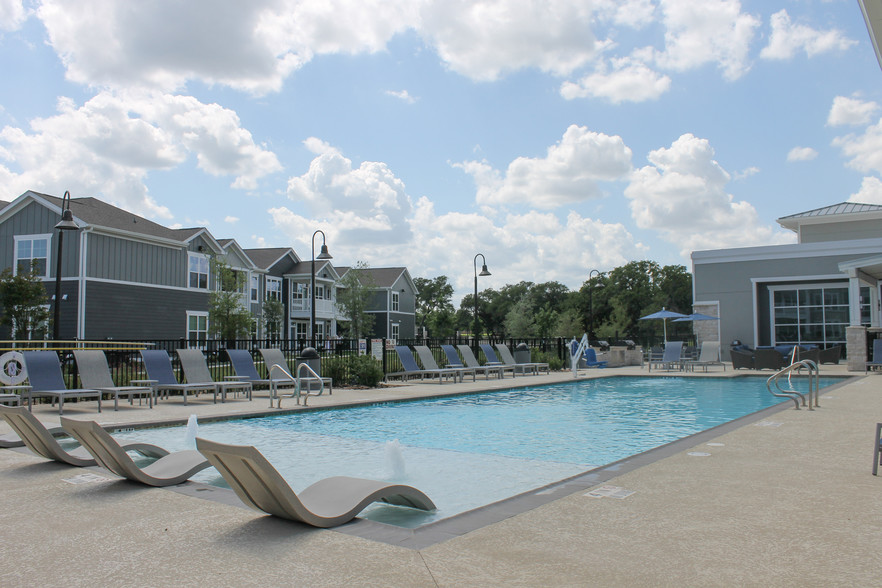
{"type": "Point", "coordinates": [519, 321]}
{"type": "Point", "coordinates": [273, 315]}
{"type": "Point", "coordinates": [354, 297]}
{"type": "Point", "coordinates": [228, 318]}
{"type": "Point", "coordinates": [24, 303]}
{"type": "Point", "coordinates": [433, 304]}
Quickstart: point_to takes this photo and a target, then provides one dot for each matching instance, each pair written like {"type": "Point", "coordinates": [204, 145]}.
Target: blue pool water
{"type": "Point", "coordinates": [469, 451]}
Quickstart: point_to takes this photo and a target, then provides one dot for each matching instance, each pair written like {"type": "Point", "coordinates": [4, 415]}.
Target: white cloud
{"type": "Point", "coordinates": [870, 192]}
{"type": "Point", "coordinates": [706, 32]}
{"type": "Point", "coordinates": [682, 194]}
{"type": "Point", "coordinates": [231, 219]}
{"type": "Point", "coordinates": [801, 154]}
{"type": "Point", "coordinates": [851, 111]}
{"type": "Point", "coordinates": [403, 95]}
{"type": "Point", "coordinates": [629, 81]}
{"type": "Point", "coordinates": [864, 151]}
{"type": "Point", "coordinates": [569, 172]}
{"type": "Point", "coordinates": [12, 15]}
{"type": "Point", "coordinates": [108, 145]}
{"type": "Point", "coordinates": [370, 201]}
{"type": "Point", "coordinates": [484, 39]}
{"type": "Point", "coordinates": [631, 13]}
{"type": "Point", "coordinates": [788, 38]}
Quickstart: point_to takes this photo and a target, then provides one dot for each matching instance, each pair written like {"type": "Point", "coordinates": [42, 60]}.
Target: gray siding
{"type": "Point", "coordinates": [125, 312]}
{"type": "Point", "coordinates": [34, 219]}
{"type": "Point", "coordinates": [868, 229]}
{"type": "Point", "coordinates": [111, 258]}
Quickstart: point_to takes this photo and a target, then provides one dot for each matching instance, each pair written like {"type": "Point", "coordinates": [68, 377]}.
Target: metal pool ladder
{"type": "Point", "coordinates": [274, 393]}
{"type": "Point", "coordinates": [814, 375]}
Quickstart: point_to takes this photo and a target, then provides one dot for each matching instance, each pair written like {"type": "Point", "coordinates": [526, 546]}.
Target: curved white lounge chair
{"type": "Point", "coordinates": [171, 469]}
{"type": "Point", "coordinates": [41, 441]}
{"type": "Point", "coordinates": [327, 503]}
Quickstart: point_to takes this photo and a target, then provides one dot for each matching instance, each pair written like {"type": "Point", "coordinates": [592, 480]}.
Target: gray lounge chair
{"type": "Point", "coordinates": [708, 356]}
{"type": "Point", "coordinates": [273, 357]}
{"type": "Point", "coordinates": [471, 361]}
{"type": "Point", "coordinates": [95, 373]}
{"type": "Point", "coordinates": [196, 372]}
{"type": "Point", "coordinates": [41, 440]}
{"type": "Point", "coordinates": [411, 369]}
{"type": "Point", "coordinates": [168, 470]}
{"type": "Point", "coordinates": [671, 359]}
{"type": "Point", "coordinates": [493, 359]}
{"type": "Point", "coordinates": [327, 503]}
{"type": "Point", "coordinates": [508, 359]}
{"type": "Point", "coordinates": [163, 379]}
{"type": "Point", "coordinates": [454, 361]}
{"type": "Point", "coordinates": [876, 362]}
{"type": "Point", "coordinates": [877, 449]}
{"type": "Point", "coordinates": [429, 363]}
{"type": "Point", "coordinates": [45, 379]}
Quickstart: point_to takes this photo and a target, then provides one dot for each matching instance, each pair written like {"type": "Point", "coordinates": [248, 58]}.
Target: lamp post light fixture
{"type": "Point", "coordinates": [484, 272]}
{"type": "Point", "coordinates": [67, 223]}
{"type": "Point", "coordinates": [591, 304]}
{"type": "Point", "coordinates": [322, 255]}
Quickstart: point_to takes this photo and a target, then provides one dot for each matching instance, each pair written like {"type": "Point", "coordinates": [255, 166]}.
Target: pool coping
{"type": "Point", "coordinates": [460, 524]}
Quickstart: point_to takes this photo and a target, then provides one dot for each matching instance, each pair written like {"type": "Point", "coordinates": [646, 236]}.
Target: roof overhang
{"type": "Point", "coordinates": [872, 10]}
{"type": "Point", "coordinates": [868, 269]}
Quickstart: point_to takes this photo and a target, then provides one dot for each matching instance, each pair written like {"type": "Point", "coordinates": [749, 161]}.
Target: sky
{"type": "Point", "coordinates": [553, 137]}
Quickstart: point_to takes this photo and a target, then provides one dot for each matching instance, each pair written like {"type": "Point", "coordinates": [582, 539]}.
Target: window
{"type": "Point", "coordinates": [32, 249]}
{"type": "Point", "coordinates": [274, 288]}
{"type": "Point", "coordinates": [300, 330]}
{"type": "Point", "coordinates": [198, 271]}
{"type": "Point", "coordinates": [319, 292]}
{"type": "Point", "coordinates": [255, 288]}
{"type": "Point", "coordinates": [394, 301]}
{"type": "Point", "coordinates": [197, 328]}
{"type": "Point", "coordinates": [810, 315]}
{"type": "Point", "coordinates": [395, 331]}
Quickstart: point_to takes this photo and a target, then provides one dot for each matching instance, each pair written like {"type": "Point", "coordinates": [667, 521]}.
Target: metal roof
{"type": "Point", "coordinates": [841, 208]}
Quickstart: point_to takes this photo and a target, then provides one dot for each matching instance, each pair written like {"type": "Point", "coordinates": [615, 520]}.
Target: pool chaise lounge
{"type": "Point", "coordinates": [412, 370]}
{"type": "Point", "coordinates": [162, 377]}
{"type": "Point", "coordinates": [169, 470]}
{"type": "Point", "coordinates": [454, 361]}
{"type": "Point", "coordinates": [95, 373]}
{"type": "Point", "coordinates": [429, 363]}
{"type": "Point", "coordinates": [41, 441]}
{"type": "Point", "coordinates": [196, 372]}
{"type": "Point", "coordinates": [275, 357]}
{"type": "Point", "coordinates": [45, 379]}
{"type": "Point", "coordinates": [471, 361]}
{"type": "Point", "coordinates": [508, 359]}
{"type": "Point", "coordinates": [671, 359]}
{"type": "Point", "coordinates": [327, 503]}
{"type": "Point", "coordinates": [708, 356]}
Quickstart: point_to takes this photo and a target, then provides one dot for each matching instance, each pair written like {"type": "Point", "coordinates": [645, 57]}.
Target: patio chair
{"type": "Point", "coordinates": [769, 359]}
{"type": "Point", "coordinates": [429, 363]}
{"type": "Point", "coordinates": [411, 369]}
{"type": "Point", "coordinates": [45, 379]}
{"type": "Point", "coordinates": [288, 379]}
{"type": "Point", "coordinates": [196, 372]}
{"type": "Point", "coordinates": [471, 361]}
{"type": "Point", "coordinates": [169, 470]}
{"type": "Point", "coordinates": [830, 355]}
{"type": "Point", "coordinates": [589, 356]}
{"type": "Point", "coordinates": [811, 354]}
{"type": "Point", "coordinates": [707, 357]}
{"type": "Point", "coordinates": [327, 503]}
{"type": "Point", "coordinates": [877, 448]}
{"type": "Point", "coordinates": [508, 359]}
{"type": "Point", "coordinates": [42, 441]}
{"type": "Point", "coordinates": [671, 359]}
{"type": "Point", "coordinates": [493, 359]}
{"type": "Point", "coordinates": [95, 373]}
{"type": "Point", "coordinates": [454, 361]}
{"type": "Point", "coordinates": [162, 377]}
{"type": "Point", "coordinates": [741, 359]}
{"type": "Point", "coordinates": [876, 362]}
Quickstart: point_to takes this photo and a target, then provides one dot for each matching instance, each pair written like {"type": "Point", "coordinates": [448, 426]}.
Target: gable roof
{"type": "Point", "coordinates": [842, 212]}
{"type": "Point", "coordinates": [383, 277]}
{"type": "Point", "coordinates": [267, 257]}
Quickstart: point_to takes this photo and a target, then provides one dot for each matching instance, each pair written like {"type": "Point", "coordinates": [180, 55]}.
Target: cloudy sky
{"type": "Point", "coordinates": [552, 136]}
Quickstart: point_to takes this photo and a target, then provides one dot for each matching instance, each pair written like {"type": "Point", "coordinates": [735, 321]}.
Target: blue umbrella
{"type": "Point", "coordinates": [664, 315]}
{"type": "Point", "coordinates": [697, 316]}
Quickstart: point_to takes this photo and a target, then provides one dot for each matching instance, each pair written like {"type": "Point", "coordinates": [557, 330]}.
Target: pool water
{"type": "Point", "coordinates": [472, 450]}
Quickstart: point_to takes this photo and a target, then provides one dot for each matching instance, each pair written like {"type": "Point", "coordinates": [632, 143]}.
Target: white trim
{"type": "Point", "coordinates": [792, 251]}
{"type": "Point", "coordinates": [192, 254]}
{"type": "Point", "coordinates": [840, 277]}
{"type": "Point", "coordinates": [34, 237]}
{"type": "Point", "coordinates": [145, 285]}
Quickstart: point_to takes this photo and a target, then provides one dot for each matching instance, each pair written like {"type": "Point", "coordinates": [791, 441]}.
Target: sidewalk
{"type": "Point", "coordinates": [784, 501]}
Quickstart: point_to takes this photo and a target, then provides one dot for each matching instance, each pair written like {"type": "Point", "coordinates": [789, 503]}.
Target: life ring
{"type": "Point", "coordinates": [12, 368]}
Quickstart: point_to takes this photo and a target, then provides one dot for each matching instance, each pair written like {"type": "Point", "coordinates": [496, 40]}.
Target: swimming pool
{"type": "Point", "coordinates": [472, 450]}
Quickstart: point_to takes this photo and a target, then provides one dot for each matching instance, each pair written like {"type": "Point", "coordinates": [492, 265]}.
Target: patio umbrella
{"type": "Point", "coordinates": [664, 315]}
{"type": "Point", "coordinates": [697, 316]}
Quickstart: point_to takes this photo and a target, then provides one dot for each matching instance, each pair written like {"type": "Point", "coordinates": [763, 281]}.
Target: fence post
{"type": "Point", "coordinates": [383, 353]}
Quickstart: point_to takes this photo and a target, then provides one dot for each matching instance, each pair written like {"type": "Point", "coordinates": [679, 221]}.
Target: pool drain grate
{"type": "Point", "coordinates": [609, 492]}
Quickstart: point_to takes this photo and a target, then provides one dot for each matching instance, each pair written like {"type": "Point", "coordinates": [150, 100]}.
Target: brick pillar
{"type": "Point", "coordinates": [856, 348]}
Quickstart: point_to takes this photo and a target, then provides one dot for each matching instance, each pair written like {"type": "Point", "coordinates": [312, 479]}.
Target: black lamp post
{"type": "Point", "coordinates": [484, 272]}
{"type": "Point", "coordinates": [591, 304]}
{"type": "Point", "coordinates": [322, 255]}
{"type": "Point", "coordinates": [67, 224]}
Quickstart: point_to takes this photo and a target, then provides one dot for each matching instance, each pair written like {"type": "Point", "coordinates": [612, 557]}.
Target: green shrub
{"type": "Point", "coordinates": [335, 368]}
{"type": "Point", "coordinates": [361, 370]}
{"type": "Point", "coordinates": [554, 362]}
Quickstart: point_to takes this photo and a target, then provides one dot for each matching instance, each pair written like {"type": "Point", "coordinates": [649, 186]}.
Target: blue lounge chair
{"type": "Point", "coordinates": [471, 361]}
{"type": "Point", "coordinates": [670, 360]}
{"type": "Point", "coordinates": [454, 361]}
{"type": "Point", "coordinates": [508, 359]}
{"type": "Point", "coordinates": [429, 363]}
{"type": "Point", "coordinates": [590, 357]}
{"type": "Point", "coordinates": [45, 379]}
{"type": "Point", "coordinates": [163, 379]}
{"type": "Point", "coordinates": [243, 364]}
{"type": "Point", "coordinates": [411, 369]}
{"type": "Point", "coordinates": [876, 362]}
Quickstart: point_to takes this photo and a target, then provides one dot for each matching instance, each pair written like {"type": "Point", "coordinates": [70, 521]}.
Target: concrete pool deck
{"type": "Point", "coordinates": [784, 499]}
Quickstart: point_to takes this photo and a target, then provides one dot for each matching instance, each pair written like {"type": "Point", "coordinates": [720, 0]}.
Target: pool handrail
{"type": "Point", "coordinates": [298, 390]}
{"type": "Point", "coordinates": [795, 396]}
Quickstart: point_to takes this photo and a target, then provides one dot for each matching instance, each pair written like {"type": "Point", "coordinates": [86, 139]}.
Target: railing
{"type": "Point", "coordinates": [814, 379]}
